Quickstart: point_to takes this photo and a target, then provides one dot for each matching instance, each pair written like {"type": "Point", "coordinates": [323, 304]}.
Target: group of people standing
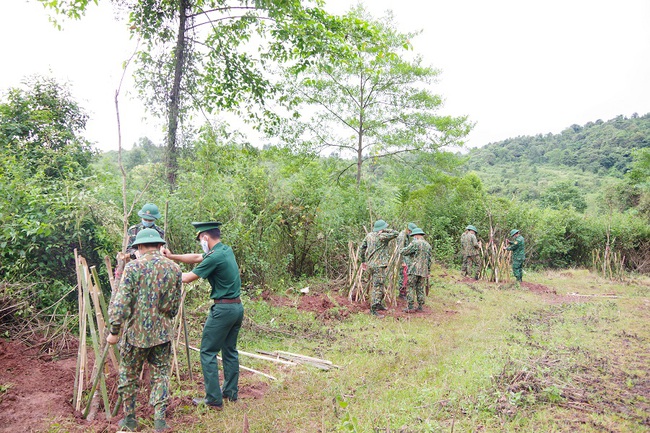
{"type": "Point", "coordinates": [471, 249]}
{"type": "Point", "coordinates": [148, 298]}
{"type": "Point", "coordinates": [415, 255]}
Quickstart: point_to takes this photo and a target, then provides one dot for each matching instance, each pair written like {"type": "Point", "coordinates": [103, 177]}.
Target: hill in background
{"type": "Point", "coordinates": [573, 167]}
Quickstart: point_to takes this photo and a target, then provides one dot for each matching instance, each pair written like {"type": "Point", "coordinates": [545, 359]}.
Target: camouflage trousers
{"type": "Point", "coordinates": [159, 359]}
{"type": "Point", "coordinates": [378, 278]}
{"type": "Point", "coordinates": [470, 266]}
{"type": "Point", "coordinates": [518, 268]}
{"type": "Point", "coordinates": [416, 287]}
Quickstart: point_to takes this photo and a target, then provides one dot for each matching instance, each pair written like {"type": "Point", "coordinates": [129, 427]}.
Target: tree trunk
{"type": "Point", "coordinates": [171, 154]}
{"type": "Point", "coordinates": [360, 133]}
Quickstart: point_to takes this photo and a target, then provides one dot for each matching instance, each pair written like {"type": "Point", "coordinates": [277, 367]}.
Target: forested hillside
{"type": "Point", "coordinates": [598, 147]}
{"type": "Point", "coordinates": [583, 167]}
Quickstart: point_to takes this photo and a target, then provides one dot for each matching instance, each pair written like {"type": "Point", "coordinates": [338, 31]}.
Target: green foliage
{"type": "Point", "coordinates": [45, 211]}
{"type": "Point", "coordinates": [371, 101]}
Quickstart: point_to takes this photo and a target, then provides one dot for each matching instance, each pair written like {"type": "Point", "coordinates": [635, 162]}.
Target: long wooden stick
{"type": "Point", "coordinates": [102, 359]}
{"type": "Point", "coordinates": [77, 376]}
{"type": "Point", "coordinates": [240, 366]}
{"type": "Point", "coordinates": [187, 338]}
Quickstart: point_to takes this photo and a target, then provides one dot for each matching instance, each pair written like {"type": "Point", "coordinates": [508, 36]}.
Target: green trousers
{"type": "Point", "coordinates": [518, 268]}
{"type": "Point", "coordinates": [132, 359]}
{"type": "Point", "coordinates": [220, 334]}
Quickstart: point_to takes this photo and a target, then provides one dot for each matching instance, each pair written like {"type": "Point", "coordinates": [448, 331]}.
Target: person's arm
{"type": "Point", "coordinates": [189, 277]}
{"type": "Point", "coordinates": [120, 307]}
{"type": "Point", "coordinates": [190, 259]}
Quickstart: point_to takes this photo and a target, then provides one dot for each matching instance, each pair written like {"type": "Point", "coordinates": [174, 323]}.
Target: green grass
{"type": "Point", "coordinates": [485, 358]}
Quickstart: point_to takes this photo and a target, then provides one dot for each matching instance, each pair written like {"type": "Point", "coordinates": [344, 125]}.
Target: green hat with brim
{"type": "Point", "coordinates": [471, 227]}
{"type": "Point", "coordinates": [205, 226]}
{"type": "Point", "coordinates": [380, 225]}
{"type": "Point", "coordinates": [412, 226]}
{"type": "Point", "coordinates": [149, 212]}
{"type": "Point", "coordinates": [417, 231]}
{"type": "Point", "coordinates": [513, 232]}
{"type": "Point", "coordinates": [148, 236]}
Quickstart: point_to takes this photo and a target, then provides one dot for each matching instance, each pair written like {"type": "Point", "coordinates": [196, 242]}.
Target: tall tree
{"type": "Point", "coordinates": [372, 100]}
{"type": "Point", "coordinates": [215, 54]}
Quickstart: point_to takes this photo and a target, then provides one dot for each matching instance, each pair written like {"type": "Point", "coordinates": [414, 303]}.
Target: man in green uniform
{"type": "Point", "coordinates": [470, 250]}
{"type": "Point", "coordinates": [217, 264]}
{"type": "Point", "coordinates": [144, 304]}
{"type": "Point", "coordinates": [149, 214]}
{"type": "Point", "coordinates": [418, 253]}
{"type": "Point", "coordinates": [518, 255]}
{"type": "Point", "coordinates": [375, 255]}
{"type": "Point", "coordinates": [402, 242]}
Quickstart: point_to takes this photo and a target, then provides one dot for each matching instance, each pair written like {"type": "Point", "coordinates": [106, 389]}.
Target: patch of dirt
{"type": "Point", "coordinates": [37, 392]}
{"type": "Point", "coordinates": [34, 389]}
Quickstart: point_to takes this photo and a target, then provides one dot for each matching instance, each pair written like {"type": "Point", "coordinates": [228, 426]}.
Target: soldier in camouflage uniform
{"type": "Point", "coordinates": [402, 242]}
{"type": "Point", "coordinates": [418, 256]}
{"type": "Point", "coordinates": [470, 250]}
{"type": "Point", "coordinates": [149, 214]}
{"type": "Point", "coordinates": [144, 305]}
{"type": "Point", "coordinates": [517, 246]}
{"type": "Point", "coordinates": [375, 255]}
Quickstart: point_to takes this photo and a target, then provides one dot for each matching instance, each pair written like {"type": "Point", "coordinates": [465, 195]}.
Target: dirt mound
{"type": "Point", "coordinates": [33, 389]}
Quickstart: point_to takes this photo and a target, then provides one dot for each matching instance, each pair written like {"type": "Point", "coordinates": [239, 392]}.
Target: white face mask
{"type": "Point", "coordinates": [147, 223]}
{"type": "Point", "coordinates": [204, 245]}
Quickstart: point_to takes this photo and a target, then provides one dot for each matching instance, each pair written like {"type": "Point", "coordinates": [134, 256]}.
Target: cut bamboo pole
{"type": "Point", "coordinates": [266, 358]}
{"type": "Point", "coordinates": [240, 366]}
{"type": "Point", "coordinates": [78, 377]}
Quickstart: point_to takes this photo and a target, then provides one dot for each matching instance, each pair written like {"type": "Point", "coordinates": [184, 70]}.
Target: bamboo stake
{"type": "Point", "coordinates": [101, 313]}
{"type": "Point", "coordinates": [109, 269]}
{"type": "Point", "coordinates": [102, 359]}
{"type": "Point", "coordinates": [240, 366]}
{"type": "Point", "coordinates": [77, 376]}
{"type": "Point", "coordinates": [187, 339]}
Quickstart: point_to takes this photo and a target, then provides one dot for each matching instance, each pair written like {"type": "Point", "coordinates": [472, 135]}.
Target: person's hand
{"type": "Point", "coordinates": [165, 251]}
{"type": "Point", "coordinates": [364, 266]}
{"type": "Point", "coordinates": [112, 339]}
{"type": "Point", "coordinates": [404, 265]}
{"type": "Point", "coordinates": [136, 253]}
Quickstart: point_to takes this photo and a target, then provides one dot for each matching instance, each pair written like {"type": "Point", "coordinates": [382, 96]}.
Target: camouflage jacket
{"type": "Point", "coordinates": [419, 254]}
{"type": "Point", "coordinates": [374, 248]}
{"type": "Point", "coordinates": [469, 244]}
{"type": "Point", "coordinates": [146, 300]}
{"type": "Point", "coordinates": [133, 232]}
{"type": "Point", "coordinates": [517, 247]}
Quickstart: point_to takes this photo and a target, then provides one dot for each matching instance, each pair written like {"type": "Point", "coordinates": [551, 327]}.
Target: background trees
{"type": "Point", "coordinates": [372, 101]}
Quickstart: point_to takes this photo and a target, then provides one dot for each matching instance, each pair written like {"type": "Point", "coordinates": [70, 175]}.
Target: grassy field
{"type": "Point", "coordinates": [568, 352]}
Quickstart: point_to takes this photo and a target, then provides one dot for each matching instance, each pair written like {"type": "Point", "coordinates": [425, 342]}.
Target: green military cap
{"type": "Point", "coordinates": [417, 231]}
{"type": "Point", "coordinates": [205, 226]}
{"type": "Point", "coordinates": [513, 232]}
{"type": "Point", "coordinates": [149, 211]}
{"type": "Point", "coordinates": [471, 227]}
{"type": "Point", "coordinates": [412, 226]}
{"type": "Point", "coordinates": [380, 225]}
{"type": "Point", "coordinates": [148, 236]}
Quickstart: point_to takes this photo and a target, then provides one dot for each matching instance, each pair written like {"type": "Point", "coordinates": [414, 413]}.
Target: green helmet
{"type": "Point", "coordinates": [148, 236]}
{"type": "Point", "coordinates": [471, 227]}
{"type": "Point", "coordinates": [417, 231]}
{"type": "Point", "coordinates": [513, 232]}
{"type": "Point", "coordinates": [380, 225]}
{"type": "Point", "coordinates": [149, 211]}
{"type": "Point", "coordinates": [412, 226]}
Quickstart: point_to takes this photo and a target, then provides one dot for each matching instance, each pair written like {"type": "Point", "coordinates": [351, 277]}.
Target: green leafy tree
{"type": "Point", "coordinates": [45, 211]}
{"type": "Point", "coordinates": [563, 195]}
{"type": "Point", "coordinates": [372, 101]}
{"type": "Point", "coordinates": [215, 54]}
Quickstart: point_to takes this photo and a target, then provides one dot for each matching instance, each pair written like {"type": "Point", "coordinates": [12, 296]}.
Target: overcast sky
{"type": "Point", "coordinates": [514, 67]}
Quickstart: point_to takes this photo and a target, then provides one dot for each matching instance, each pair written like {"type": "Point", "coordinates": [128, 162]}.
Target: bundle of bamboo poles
{"type": "Point", "coordinates": [92, 320]}
{"type": "Point", "coordinates": [610, 264]}
{"type": "Point", "coordinates": [495, 261]}
{"type": "Point", "coordinates": [357, 290]}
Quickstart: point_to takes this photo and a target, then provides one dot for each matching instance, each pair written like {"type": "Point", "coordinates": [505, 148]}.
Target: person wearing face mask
{"type": "Point", "coordinates": [149, 214]}
{"type": "Point", "coordinates": [217, 264]}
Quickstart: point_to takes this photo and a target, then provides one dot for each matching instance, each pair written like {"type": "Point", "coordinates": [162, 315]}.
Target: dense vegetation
{"type": "Point", "coordinates": [288, 215]}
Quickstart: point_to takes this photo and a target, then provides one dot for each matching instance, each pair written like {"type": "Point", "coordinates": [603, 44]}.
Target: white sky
{"type": "Point", "coordinates": [514, 67]}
